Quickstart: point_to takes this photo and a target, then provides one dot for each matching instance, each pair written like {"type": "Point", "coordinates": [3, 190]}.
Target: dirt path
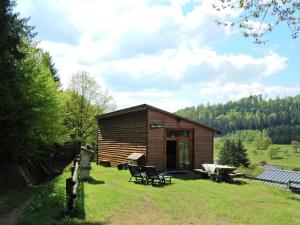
{"type": "Point", "coordinates": [10, 218]}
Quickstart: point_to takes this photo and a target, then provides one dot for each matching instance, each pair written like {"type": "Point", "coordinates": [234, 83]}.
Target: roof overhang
{"type": "Point", "coordinates": [145, 107]}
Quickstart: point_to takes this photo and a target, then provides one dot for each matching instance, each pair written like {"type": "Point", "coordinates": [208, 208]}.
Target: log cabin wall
{"type": "Point", "coordinates": [121, 135]}
{"type": "Point", "coordinates": [202, 146]}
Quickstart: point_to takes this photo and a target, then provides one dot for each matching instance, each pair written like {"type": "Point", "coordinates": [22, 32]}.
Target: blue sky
{"type": "Point", "coordinates": [167, 53]}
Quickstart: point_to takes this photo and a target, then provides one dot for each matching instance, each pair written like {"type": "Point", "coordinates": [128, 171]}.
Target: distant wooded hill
{"type": "Point", "coordinates": [279, 118]}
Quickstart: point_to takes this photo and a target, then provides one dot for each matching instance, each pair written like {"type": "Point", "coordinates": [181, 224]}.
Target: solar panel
{"type": "Point", "coordinates": [280, 178]}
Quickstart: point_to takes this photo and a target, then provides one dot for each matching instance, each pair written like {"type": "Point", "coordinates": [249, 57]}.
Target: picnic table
{"type": "Point", "coordinates": [219, 172]}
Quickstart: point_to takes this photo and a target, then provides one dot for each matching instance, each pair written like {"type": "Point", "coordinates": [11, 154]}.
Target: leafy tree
{"type": "Point", "coordinates": [233, 153]}
{"type": "Point", "coordinates": [245, 135]}
{"type": "Point", "coordinates": [85, 100]}
{"type": "Point", "coordinates": [272, 152]}
{"type": "Point", "coordinates": [295, 145]}
{"type": "Point", "coordinates": [258, 18]}
{"type": "Point", "coordinates": [48, 61]}
{"type": "Point", "coordinates": [44, 112]}
{"type": "Point", "coordinates": [14, 33]}
{"type": "Point", "coordinates": [31, 113]}
{"type": "Point", "coordinates": [262, 142]}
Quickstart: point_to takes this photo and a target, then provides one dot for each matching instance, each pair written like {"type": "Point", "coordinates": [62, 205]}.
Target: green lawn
{"type": "Point", "coordinates": [286, 156]}
{"type": "Point", "coordinates": [110, 199]}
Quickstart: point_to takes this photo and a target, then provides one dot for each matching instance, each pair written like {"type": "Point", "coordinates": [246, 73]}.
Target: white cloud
{"type": "Point", "coordinates": [156, 53]}
{"type": "Point", "coordinates": [221, 92]}
{"type": "Point", "coordinates": [213, 92]}
{"type": "Point", "coordinates": [155, 97]}
{"type": "Point", "coordinates": [191, 64]}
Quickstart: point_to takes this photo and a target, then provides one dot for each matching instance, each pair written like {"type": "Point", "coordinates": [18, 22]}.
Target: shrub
{"type": "Point", "coordinates": [233, 153]}
{"type": "Point", "coordinates": [262, 143]}
{"type": "Point", "coordinates": [272, 152]}
{"type": "Point", "coordinates": [295, 145]}
{"type": "Point", "coordinates": [252, 171]}
{"type": "Point", "coordinates": [218, 145]}
{"type": "Point", "coordinates": [262, 163]}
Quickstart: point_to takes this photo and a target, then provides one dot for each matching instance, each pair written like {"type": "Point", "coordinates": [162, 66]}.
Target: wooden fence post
{"type": "Point", "coordinates": [72, 184]}
{"type": "Point", "coordinates": [69, 193]}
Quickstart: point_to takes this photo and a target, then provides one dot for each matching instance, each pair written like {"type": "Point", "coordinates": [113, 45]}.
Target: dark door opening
{"type": "Point", "coordinates": [171, 155]}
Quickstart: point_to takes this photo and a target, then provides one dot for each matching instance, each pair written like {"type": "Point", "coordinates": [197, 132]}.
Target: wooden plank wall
{"type": "Point", "coordinates": [119, 136]}
{"type": "Point", "coordinates": [203, 140]}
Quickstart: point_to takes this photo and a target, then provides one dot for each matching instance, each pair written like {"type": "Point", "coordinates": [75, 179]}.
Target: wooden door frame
{"type": "Point", "coordinates": [191, 146]}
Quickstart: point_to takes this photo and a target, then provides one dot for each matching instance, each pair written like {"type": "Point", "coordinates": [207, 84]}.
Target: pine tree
{"type": "Point", "coordinates": [13, 33]}
{"type": "Point", "coordinates": [233, 153]}
{"type": "Point", "coordinates": [241, 154]}
{"type": "Point", "coordinates": [226, 153]}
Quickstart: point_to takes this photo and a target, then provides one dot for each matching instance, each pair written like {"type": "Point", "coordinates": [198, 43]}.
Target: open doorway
{"type": "Point", "coordinates": [171, 154]}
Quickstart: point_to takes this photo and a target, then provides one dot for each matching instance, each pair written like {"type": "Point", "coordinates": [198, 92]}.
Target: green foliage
{"type": "Point", "coordinates": [13, 32]}
{"type": "Point", "coordinates": [253, 170]}
{"type": "Point", "coordinates": [45, 113]}
{"type": "Point", "coordinates": [31, 115]}
{"type": "Point", "coordinates": [288, 161]}
{"type": "Point", "coordinates": [233, 153]}
{"type": "Point", "coordinates": [48, 205]}
{"type": "Point", "coordinates": [217, 145]}
{"type": "Point", "coordinates": [36, 117]}
{"type": "Point", "coordinates": [295, 145]}
{"type": "Point", "coordinates": [272, 152]}
{"type": "Point", "coordinates": [245, 135]}
{"type": "Point", "coordinates": [32, 106]}
{"type": "Point", "coordinates": [277, 118]}
{"type": "Point", "coordinates": [85, 100]}
{"type": "Point", "coordinates": [262, 142]}
{"type": "Point", "coordinates": [49, 62]}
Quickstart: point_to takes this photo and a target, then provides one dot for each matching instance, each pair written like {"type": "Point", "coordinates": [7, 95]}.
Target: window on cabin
{"type": "Point", "coordinates": [178, 133]}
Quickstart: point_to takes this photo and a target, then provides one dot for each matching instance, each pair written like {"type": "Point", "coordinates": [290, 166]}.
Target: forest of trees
{"type": "Point", "coordinates": [277, 118]}
{"type": "Point", "coordinates": [40, 122]}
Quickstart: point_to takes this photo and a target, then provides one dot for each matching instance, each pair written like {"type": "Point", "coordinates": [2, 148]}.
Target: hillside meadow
{"type": "Point", "coordinates": [108, 198]}
{"type": "Point", "coordinates": [286, 156]}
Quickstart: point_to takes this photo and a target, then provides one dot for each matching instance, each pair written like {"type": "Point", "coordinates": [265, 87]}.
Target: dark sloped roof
{"type": "Point", "coordinates": [279, 178]}
{"type": "Point", "coordinates": [144, 107]}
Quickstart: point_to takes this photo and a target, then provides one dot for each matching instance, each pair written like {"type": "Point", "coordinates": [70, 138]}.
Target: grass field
{"type": "Point", "coordinates": [110, 199]}
{"type": "Point", "coordinates": [286, 156]}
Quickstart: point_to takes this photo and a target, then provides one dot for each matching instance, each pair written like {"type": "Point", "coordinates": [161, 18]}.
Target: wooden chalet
{"type": "Point", "coordinates": [168, 141]}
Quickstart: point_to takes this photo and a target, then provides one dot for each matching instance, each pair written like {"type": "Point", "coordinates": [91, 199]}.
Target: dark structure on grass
{"type": "Point", "coordinates": [168, 141]}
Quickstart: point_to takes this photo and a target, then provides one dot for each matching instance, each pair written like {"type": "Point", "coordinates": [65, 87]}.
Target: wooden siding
{"type": "Point", "coordinates": [203, 140]}
{"type": "Point", "coordinates": [119, 136]}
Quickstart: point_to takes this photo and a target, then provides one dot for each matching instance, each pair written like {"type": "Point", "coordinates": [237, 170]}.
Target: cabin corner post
{"type": "Point", "coordinates": [97, 143]}
{"type": "Point", "coordinates": [147, 136]}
